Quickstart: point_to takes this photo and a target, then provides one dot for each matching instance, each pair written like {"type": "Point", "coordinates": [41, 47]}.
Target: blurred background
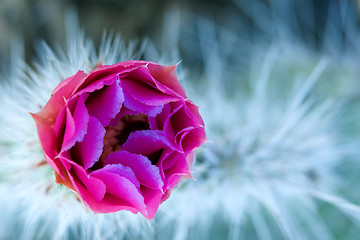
{"type": "Point", "coordinates": [279, 90]}
{"type": "Point", "coordinates": [173, 21]}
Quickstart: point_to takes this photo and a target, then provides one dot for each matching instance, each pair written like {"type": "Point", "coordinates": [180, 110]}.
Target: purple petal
{"type": "Point", "coordinates": [135, 105]}
{"type": "Point", "coordinates": [146, 173]}
{"type": "Point", "coordinates": [151, 142]}
{"type": "Point", "coordinates": [106, 103]}
{"type": "Point", "coordinates": [153, 123]}
{"type": "Point", "coordinates": [89, 150]}
{"type": "Point", "coordinates": [123, 112]}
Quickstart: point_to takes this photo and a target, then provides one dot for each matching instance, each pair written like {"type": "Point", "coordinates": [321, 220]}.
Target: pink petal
{"type": "Point", "coordinates": [106, 103]}
{"type": "Point", "coordinates": [56, 102]}
{"type": "Point", "coordinates": [145, 172]}
{"type": "Point", "coordinates": [69, 127]}
{"type": "Point", "coordinates": [152, 200]}
{"type": "Point", "coordinates": [121, 170]}
{"type": "Point", "coordinates": [123, 189]}
{"type": "Point", "coordinates": [191, 138]}
{"type": "Point", "coordinates": [162, 161]}
{"type": "Point", "coordinates": [194, 112]}
{"type": "Point", "coordinates": [189, 132]}
{"type": "Point", "coordinates": [174, 179]}
{"type": "Point", "coordinates": [182, 118]}
{"type": "Point", "coordinates": [178, 169]}
{"type": "Point", "coordinates": [171, 165]}
{"type": "Point", "coordinates": [190, 158]}
{"type": "Point", "coordinates": [107, 204]}
{"type": "Point", "coordinates": [64, 90]}
{"type": "Point", "coordinates": [106, 72]}
{"type": "Point", "coordinates": [140, 74]}
{"type": "Point", "coordinates": [67, 87]}
{"type": "Point", "coordinates": [111, 204]}
{"type": "Point", "coordinates": [93, 185]}
{"type": "Point", "coordinates": [119, 68]}
{"type": "Point", "coordinates": [166, 195]}
{"type": "Point", "coordinates": [97, 85]}
{"type": "Point", "coordinates": [48, 142]}
{"type": "Point", "coordinates": [59, 126]}
{"type": "Point", "coordinates": [158, 121]}
{"type": "Point", "coordinates": [171, 159]}
{"type": "Point", "coordinates": [89, 150]}
{"type": "Point", "coordinates": [145, 93]}
{"type": "Point", "coordinates": [169, 128]}
{"type": "Point", "coordinates": [166, 79]}
{"type": "Point", "coordinates": [66, 159]}
{"type": "Point", "coordinates": [79, 121]}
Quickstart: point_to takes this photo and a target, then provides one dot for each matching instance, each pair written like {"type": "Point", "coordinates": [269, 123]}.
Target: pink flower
{"type": "Point", "coordinates": [121, 136]}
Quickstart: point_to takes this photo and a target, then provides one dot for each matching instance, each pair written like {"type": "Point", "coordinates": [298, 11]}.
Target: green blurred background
{"type": "Point", "coordinates": [34, 20]}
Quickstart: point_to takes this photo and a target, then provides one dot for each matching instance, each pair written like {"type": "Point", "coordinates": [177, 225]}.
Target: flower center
{"type": "Point", "coordinates": [117, 135]}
